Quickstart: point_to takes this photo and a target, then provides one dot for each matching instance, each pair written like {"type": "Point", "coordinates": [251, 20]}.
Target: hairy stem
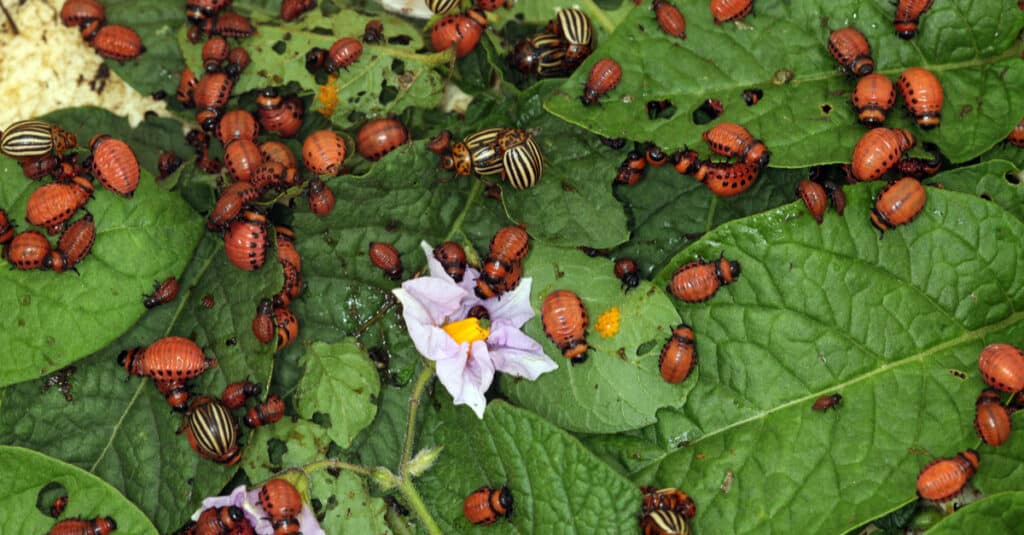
{"type": "Point", "coordinates": [412, 497]}
{"type": "Point", "coordinates": [414, 404]}
{"type": "Point", "coordinates": [326, 464]}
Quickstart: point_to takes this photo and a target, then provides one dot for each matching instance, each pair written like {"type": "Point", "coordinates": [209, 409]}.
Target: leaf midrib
{"type": "Point", "coordinates": [138, 391]}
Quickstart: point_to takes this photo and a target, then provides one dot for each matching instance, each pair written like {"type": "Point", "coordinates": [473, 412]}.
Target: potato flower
{"type": "Point", "coordinates": [248, 502]}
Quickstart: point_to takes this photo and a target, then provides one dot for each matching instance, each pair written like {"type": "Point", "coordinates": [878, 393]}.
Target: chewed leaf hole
{"type": "Point", "coordinates": [275, 451]}
{"type": "Point", "coordinates": [826, 108]}
{"type": "Point", "coordinates": [52, 499]}
{"type": "Point", "coordinates": [280, 47]}
{"type": "Point", "coordinates": [660, 109]}
{"type": "Point", "coordinates": [1013, 178]}
{"type": "Point", "coordinates": [646, 347]}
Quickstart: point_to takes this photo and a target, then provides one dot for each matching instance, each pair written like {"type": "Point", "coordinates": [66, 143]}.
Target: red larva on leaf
{"type": "Point", "coordinates": [53, 204]}
{"type": "Point", "coordinates": [385, 256]}
{"type": "Point", "coordinates": [280, 499]}
{"type": "Point", "coordinates": [991, 418]}
{"type": "Point", "coordinates": [237, 124]}
{"type": "Point", "coordinates": [117, 42]}
{"type": "Point", "coordinates": [922, 93]}
{"type": "Point", "coordinates": [898, 204]}
{"type": "Point", "coordinates": [873, 97]}
{"type": "Point", "coordinates": [263, 323]}
{"type": "Point", "coordinates": [698, 280]}
{"type": "Point", "coordinates": [604, 76]}
{"type": "Point", "coordinates": [323, 152]}
{"type": "Point", "coordinates": [215, 51]}
{"type": "Point", "coordinates": [242, 158]}
{"type": "Point", "coordinates": [287, 326]}
{"type": "Point", "coordinates": [75, 12]}
{"type": "Point", "coordinates": [379, 137]}
{"type": "Point", "coordinates": [729, 10]}
{"type": "Point", "coordinates": [292, 9]}
{"type": "Point", "coordinates": [163, 293]}
{"type": "Point", "coordinates": [1002, 367]}
{"type": "Point", "coordinates": [74, 245]}
{"type": "Point", "coordinates": [678, 355]}
{"type": "Point", "coordinates": [908, 13]}
{"type": "Point", "coordinates": [115, 165]}
{"type": "Point", "coordinates": [485, 505]}
{"type": "Point", "coordinates": [235, 394]}
{"type": "Point", "coordinates": [944, 478]}
{"type": "Point", "coordinates": [28, 250]}
{"type": "Point", "coordinates": [343, 53]}
{"type": "Point", "coordinates": [321, 198]}
{"type": "Point", "coordinates": [851, 50]}
{"type": "Point", "coordinates": [245, 242]}
{"type": "Point", "coordinates": [266, 413]}
{"type": "Point", "coordinates": [81, 526]}
{"type": "Point", "coordinates": [670, 19]}
{"type": "Point", "coordinates": [814, 197]}
{"type": "Point", "coordinates": [564, 319]}
{"type": "Point", "coordinates": [878, 150]}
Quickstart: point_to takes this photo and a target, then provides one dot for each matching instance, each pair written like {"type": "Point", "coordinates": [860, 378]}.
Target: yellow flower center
{"type": "Point", "coordinates": [467, 330]}
{"type": "Point", "coordinates": [608, 323]}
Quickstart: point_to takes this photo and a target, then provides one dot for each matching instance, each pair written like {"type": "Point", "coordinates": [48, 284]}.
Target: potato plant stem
{"type": "Point", "coordinates": [414, 404]}
{"type": "Point", "coordinates": [412, 497]}
{"type": "Point", "coordinates": [335, 463]}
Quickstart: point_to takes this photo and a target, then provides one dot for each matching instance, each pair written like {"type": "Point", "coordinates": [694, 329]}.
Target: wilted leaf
{"type": "Point", "coordinates": [809, 120]}
{"type": "Point", "coordinates": [347, 504]}
{"type": "Point", "coordinates": [619, 387]}
{"type": "Point", "coordinates": [386, 79]}
{"type": "Point", "coordinates": [286, 444]}
{"type": "Point", "coordinates": [124, 431]}
{"type": "Point", "coordinates": [556, 484]}
{"type": "Point", "coordinates": [27, 472]}
{"type": "Point", "coordinates": [893, 325]}
{"type": "Point", "coordinates": [999, 513]}
{"type": "Point", "coordinates": [340, 382]}
{"type": "Point", "coordinates": [56, 319]}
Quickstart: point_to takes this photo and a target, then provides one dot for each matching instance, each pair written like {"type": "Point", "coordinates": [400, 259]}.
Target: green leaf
{"type": "Point", "coordinates": [348, 506]}
{"type": "Point", "coordinates": [572, 204]}
{"type": "Point", "coordinates": [381, 444]}
{"type": "Point", "coordinates": [995, 180]}
{"type": "Point", "coordinates": [385, 80]}
{"type": "Point", "coordinates": [341, 382]}
{"type": "Point", "coordinates": [556, 484]}
{"type": "Point", "coordinates": [810, 120]}
{"type": "Point", "coordinates": [123, 429]}
{"type": "Point", "coordinates": [669, 211]}
{"type": "Point", "coordinates": [159, 67]}
{"type": "Point", "coordinates": [285, 444]}
{"type": "Point", "coordinates": [147, 140]}
{"type": "Point", "coordinates": [999, 513]}
{"type": "Point", "coordinates": [619, 387]}
{"type": "Point", "coordinates": [27, 472]}
{"type": "Point", "coordinates": [55, 319]}
{"type": "Point", "coordinates": [893, 325]}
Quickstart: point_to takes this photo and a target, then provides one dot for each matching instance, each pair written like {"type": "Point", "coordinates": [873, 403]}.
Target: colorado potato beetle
{"type": "Point", "coordinates": [343, 53]}
{"type": "Point", "coordinates": [574, 26]}
{"type": "Point", "coordinates": [74, 245]}
{"type": "Point", "coordinates": [670, 19]}
{"type": "Point", "coordinates": [604, 76]}
{"type": "Point", "coordinates": [163, 293]}
{"type": "Point", "coordinates": [58, 505]}
{"type": "Point", "coordinates": [452, 258]}
{"type": "Point", "coordinates": [186, 88]}
{"type": "Point", "coordinates": [991, 418]}
{"type": "Point", "coordinates": [1016, 136]}
{"type": "Point", "coordinates": [237, 124]}
{"type": "Point", "coordinates": [279, 115]}
{"type": "Point", "coordinates": [176, 392]}
{"type": "Point", "coordinates": [1002, 367]}
{"type": "Point", "coordinates": [213, 91]}
{"type": "Point", "coordinates": [230, 203]}
{"type": "Point", "coordinates": [898, 204]}
{"type": "Point", "coordinates": [379, 137]}
{"type": "Point", "coordinates": [116, 42]}
{"type": "Point", "coordinates": [664, 522]}
{"type": "Point", "coordinates": [441, 6]}
{"type": "Point", "coordinates": [115, 165]}
{"type": "Point", "coordinates": [814, 197]}
{"type": "Point", "coordinates": [215, 51]}
{"type": "Point", "coordinates": [752, 96]}
{"type": "Point", "coordinates": [238, 60]}
{"type": "Point", "coordinates": [825, 403]}
{"type": "Point", "coordinates": [729, 10]}
{"type": "Point", "coordinates": [266, 413]}
{"type": "Point", "coordinates": [908, 14]}
{"type": "Point", "coordinates": [873, 97]}
{"type": "Point", "coordinates": [461, 31]}
{"type": "Point", "coordinates": [168, 358]}
{"type": "Point", "coordinates": [323, 152]}
{"type": "Point", "coordinates": [944, 478]}
{"type": "Point", "coordinates": [385, 256]}
{"type": "Point", "coordinates": [28, 139]}
{"type": "Point", "coordinates": [727, 179]}
{"type": "Point", "coordinates": [276, 151]}
{"type": "Point", "coordinates": [242, 158]}
{"type": "Point", "coordinates": [6, 228]}
{"type": "Point", "coordinates": [733, 140]}
{"type": "Point", "coordinates": [28, 250]}
{"type": "Point", "coordinates": [52, 204]}
{"type": "Point", "coordinates": [212, 431]}
{"type": "Point", "coordinates": [245, 242]}
{"type": "Point", "coordinates": [230, 24]}
{"type": "Point", "coordinates": [565, 323]}
{"type": "Point", "coordinates": [74, 12]}
{"type": "Point", "coordinates": [510, 244]}
{"type": "Point", "coordinates": [321, 198]}
{"type": "Point", "coordinates": [631, 170]}
{"type": "Point", "coordinates": [81, 526]}
{"type": "Point", "coordinates": [697, 281]}
{"type": "Point", "coordinates": [235, 394]}
{"type": "Point", "coordinates": [678, 355]}
{"type": "Point", "coordinates": [878, 150]}
{"type": "Point", "coordinates": [542, 55]}
{"type": "Point", "coordinates": [628, 272]}
{"type": "Point", "coordinates": [40, 166]}
{"type": "Point", "coordinates": [167, 163]}
{"type": "Point", "coordinates": [485, 505]}
{"type": "Point", "coordinates": [670, 499]}
{"type": "Point", "coordinates": [922, 93]}
{"type": "Point", "coordinates": [851, 50]}
{"type": "Point", "coordinates": [280, 499]}
{"type": "Point", "coordinates": [287, 326]}
{"type": "Point", "coordinates": [292, 9]}
{"type": "Point", "coordinates": [218, 520]}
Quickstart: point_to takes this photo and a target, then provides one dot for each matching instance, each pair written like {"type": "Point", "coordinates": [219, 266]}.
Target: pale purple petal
{"type": "Point", "coordinates": [469, 283]}
{"type": "Point", "coordinates": [516, 354]}
{"type": "Point", "coordinates": [308, 523]}
{"type": "Point", "coordinates": [476, 379]}
{"type": "Point", "coordinates": [440, 297]}
{"type": "Point", "coordinates": [255, 514]}
{"type": "Point", "coordinates": [513, 306]}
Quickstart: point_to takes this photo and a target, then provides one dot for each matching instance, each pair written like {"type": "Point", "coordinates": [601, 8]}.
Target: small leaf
{"type": "Point", "coordinates": [893, 325]}
{"type": "Point", "coordinates": [556, 484]}
{"type": "Point", "coordinates": [617, 388]}
{"type": "Point", "coordinates": [348, 506]}
{"type": "Point", "coordinates": [286, 444]}
{"type": "Point", "coordinates": [55, 319]}
{"type": "Point", "coordinates": [27, 472]}
{"type": "Point", "coordinates": [998, 513]}
{"type": "Point", "coordinates": [123, 429]}
{"type": "Point", "coordinates": [341, 382]}
{"type": "Point", "coordinates": [809, 120]}
{"type": "Point", "coordinates": [995, 180]}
